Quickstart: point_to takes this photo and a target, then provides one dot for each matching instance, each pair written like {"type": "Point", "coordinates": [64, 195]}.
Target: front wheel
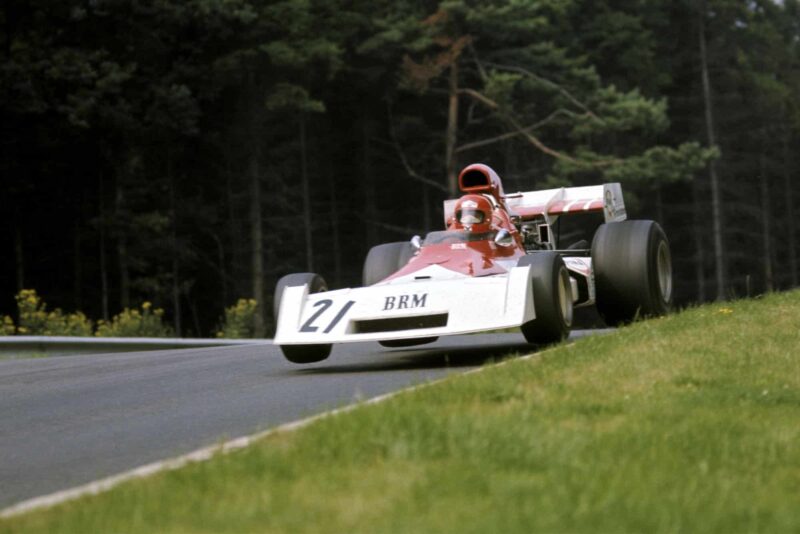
{"type": "Point", "coordinates": [384, 260]}
{"type": "Point", "coordinates": [552, 298]}
{"type": "Point", "coordinates": [632, 271]}
{"type": "Point", "coordinates": [301, 353]}
{"type": "Point", "coordinates": [306, 353]}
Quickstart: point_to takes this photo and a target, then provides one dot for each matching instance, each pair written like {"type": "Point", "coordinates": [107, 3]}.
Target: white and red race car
{"type": "Point", "coordinates": [496, 265]}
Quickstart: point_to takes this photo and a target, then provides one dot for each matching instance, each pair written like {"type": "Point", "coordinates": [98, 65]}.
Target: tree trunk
{"type": "Point", "coordinates": [716, 202]}
{"type": "Point", "coordinates": [223, 276]}
{"type": "Point", "coordinates": [235, 237]}
{"type": "Point", "coordinates": [659, 206]}
{"type": "Point", "coordinates": [103, 253]}
{"type": "Point", "coordinates": [335, 229]}
{"type": "Point", "coordinates": [254, 116]}
{"type": "Point", "coordinates": [698, 230]}
{"type": "Point", "coordinates": [77, 263]}
{"type": "Point", "coordinates": [306, 196]}
{"type": "Point", "coordinates": [195, 315]}
{"type": "Point", "coordinates": [257, 258]}
{"type": "Point", "coordinates": [122, 248]}
{"type": "Point", "coordinates": [766, 238]}
{"type": "Point", "coordinates": [19, 260]}
{"type": "Point", "coordinates": [370, 202]}
{"type": "Point", "coordinates": [451, 136]}
{"type": "Point", "coordinates": [176, 294]}
{"type": "Point", "coordinates": [790, 224]}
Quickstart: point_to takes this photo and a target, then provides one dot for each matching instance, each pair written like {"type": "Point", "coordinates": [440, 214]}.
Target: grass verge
{"type": "Point", "coordinates": [685, 423]}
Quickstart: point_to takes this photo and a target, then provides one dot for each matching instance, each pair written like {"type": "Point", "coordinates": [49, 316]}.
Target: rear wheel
{"type": "Point", "coordinates": [632, 270]}
{"type": "Point", "coordinates": [385, 260]}
{"type": "Point", "coordinates": [552, 298]}
{"type": "Point", "coordinates": [301, 353]}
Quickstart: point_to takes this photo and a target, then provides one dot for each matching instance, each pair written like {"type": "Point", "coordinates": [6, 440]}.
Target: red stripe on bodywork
{"type": "Point", "coordinates": [476, 259]}
{"type": "Point", "coordinates": [575, 206]}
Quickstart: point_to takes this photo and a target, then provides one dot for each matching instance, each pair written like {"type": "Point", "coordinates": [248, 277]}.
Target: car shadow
{"type": "Point", "coordinates": [422, 358]}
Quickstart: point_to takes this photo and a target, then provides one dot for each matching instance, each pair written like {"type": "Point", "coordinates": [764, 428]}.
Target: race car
{"type": "Point", "coordinates": [496, 265]}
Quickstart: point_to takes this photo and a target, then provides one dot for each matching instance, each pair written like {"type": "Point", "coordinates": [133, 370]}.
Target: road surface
{"type": "Point", "coordinates": [65, 421]}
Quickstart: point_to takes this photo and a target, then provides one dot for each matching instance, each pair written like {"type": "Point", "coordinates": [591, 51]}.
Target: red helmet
{"type": "Point", "coordinates": [473, 213]}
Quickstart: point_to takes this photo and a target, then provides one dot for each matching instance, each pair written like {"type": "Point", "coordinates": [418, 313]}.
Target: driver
{"type": "Point", "coordinates": [473, 213]}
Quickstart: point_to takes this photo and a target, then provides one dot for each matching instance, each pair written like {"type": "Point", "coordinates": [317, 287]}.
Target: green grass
{"type": "Point", "coordinates": [689, 423]}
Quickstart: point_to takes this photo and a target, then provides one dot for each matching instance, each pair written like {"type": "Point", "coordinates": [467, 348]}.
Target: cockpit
{"type": "Point", "coordinates": [446, 237]}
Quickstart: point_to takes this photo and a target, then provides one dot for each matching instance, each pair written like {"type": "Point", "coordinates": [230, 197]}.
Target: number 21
{"type": "Point", "coordinates": [323, 305]}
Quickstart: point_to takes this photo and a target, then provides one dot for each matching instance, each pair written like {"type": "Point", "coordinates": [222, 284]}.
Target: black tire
{"type": "Point", "coordinates": [632, 271]}
{"type": "Point", "coordinates": [306, 353]}
{"type": "Point", "coordinates": [552, 298]}
{"type": "Point", "coordinates": [385, 260]}
{"type": "Point", "coordinates": [301, 353]}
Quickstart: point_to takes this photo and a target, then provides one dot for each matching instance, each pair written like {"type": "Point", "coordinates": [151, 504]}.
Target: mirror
{"type": "Point", "coordinates": [504, 238]}
{"type": "Point", "coordinates": [544, 233]}
{"type": "Point", "coordinates": [416, 242]}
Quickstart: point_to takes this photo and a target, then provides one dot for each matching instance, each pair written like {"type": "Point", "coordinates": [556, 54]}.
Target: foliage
{"type": "Point", "coordinates": [685, 423]}
{"type": "Point", "coordinates": [134, 133]}
{"type": "Point", "coordinates": [656, 166]}
{"type": "Point", "coordinates": [144, 322]}
{"type": "Point", "coordinates": [545, 95]}
{"type": "Point", "coordinates": [36, 320]}
{"type": "Point", "coordinates": [7, 327]}
{"type": "Point", "coordinates": [239, 320]}
{"type": "Point", "coordinates": [663, 164]}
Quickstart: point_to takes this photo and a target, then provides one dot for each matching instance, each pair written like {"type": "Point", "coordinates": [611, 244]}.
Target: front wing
{"type": "Point", "coordinates": [418, 309]}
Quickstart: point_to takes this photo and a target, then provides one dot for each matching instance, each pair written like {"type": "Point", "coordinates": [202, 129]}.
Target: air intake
{"type": "Point", "coordinates": [471, 180]}
{"type": "Point", "coordinates": [397, 324]}
{"type": "Point", "coordinates": [479, 178]}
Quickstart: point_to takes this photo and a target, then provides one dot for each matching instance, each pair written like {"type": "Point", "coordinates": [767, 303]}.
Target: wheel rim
{"type": "Point", "coordinates": [664, 268]}
{"type": "Point", "coordinates": [565, 296]}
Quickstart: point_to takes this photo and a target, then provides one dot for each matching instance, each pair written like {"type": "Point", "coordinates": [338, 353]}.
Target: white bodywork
{"type": "Point", "coordinates": [471, 304]}
{"type": "Point", "coordinates": [459, 304]}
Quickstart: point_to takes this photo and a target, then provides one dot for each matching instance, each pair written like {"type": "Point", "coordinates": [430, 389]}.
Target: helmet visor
{"type": "Point", "coordinates": [470, 216]}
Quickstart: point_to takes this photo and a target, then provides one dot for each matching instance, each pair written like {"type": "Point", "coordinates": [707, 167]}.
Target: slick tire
{"type": "Point", "coordinates": [552, 298]}
{"type": "Point", "coordinates": [301, 353]}
{"type": "Point", "coordinates": [384, 260]}
{"type": "Point", "coordinates": [632, 271]}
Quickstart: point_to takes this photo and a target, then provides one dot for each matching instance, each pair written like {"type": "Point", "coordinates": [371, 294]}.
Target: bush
{"type": "Point", "coordinates": [35, 320]}
{"type": "Point", "coordinates": [7, 327]}
{"type": "Point", "coordinates": [239, 320]}
{"type": "Point", "coordinates": [147, 322]}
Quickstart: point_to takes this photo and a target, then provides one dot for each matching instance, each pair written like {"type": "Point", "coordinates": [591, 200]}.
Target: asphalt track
{"type": "Point", "coordinates": [65, 421]}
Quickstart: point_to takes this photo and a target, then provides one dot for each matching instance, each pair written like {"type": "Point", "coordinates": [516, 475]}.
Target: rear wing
{"type": "Point", "coordinates": [551, 203]}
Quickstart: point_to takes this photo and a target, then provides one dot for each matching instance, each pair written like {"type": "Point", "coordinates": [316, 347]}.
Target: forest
{"type": "Point", "coordinates": [189, 153]}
